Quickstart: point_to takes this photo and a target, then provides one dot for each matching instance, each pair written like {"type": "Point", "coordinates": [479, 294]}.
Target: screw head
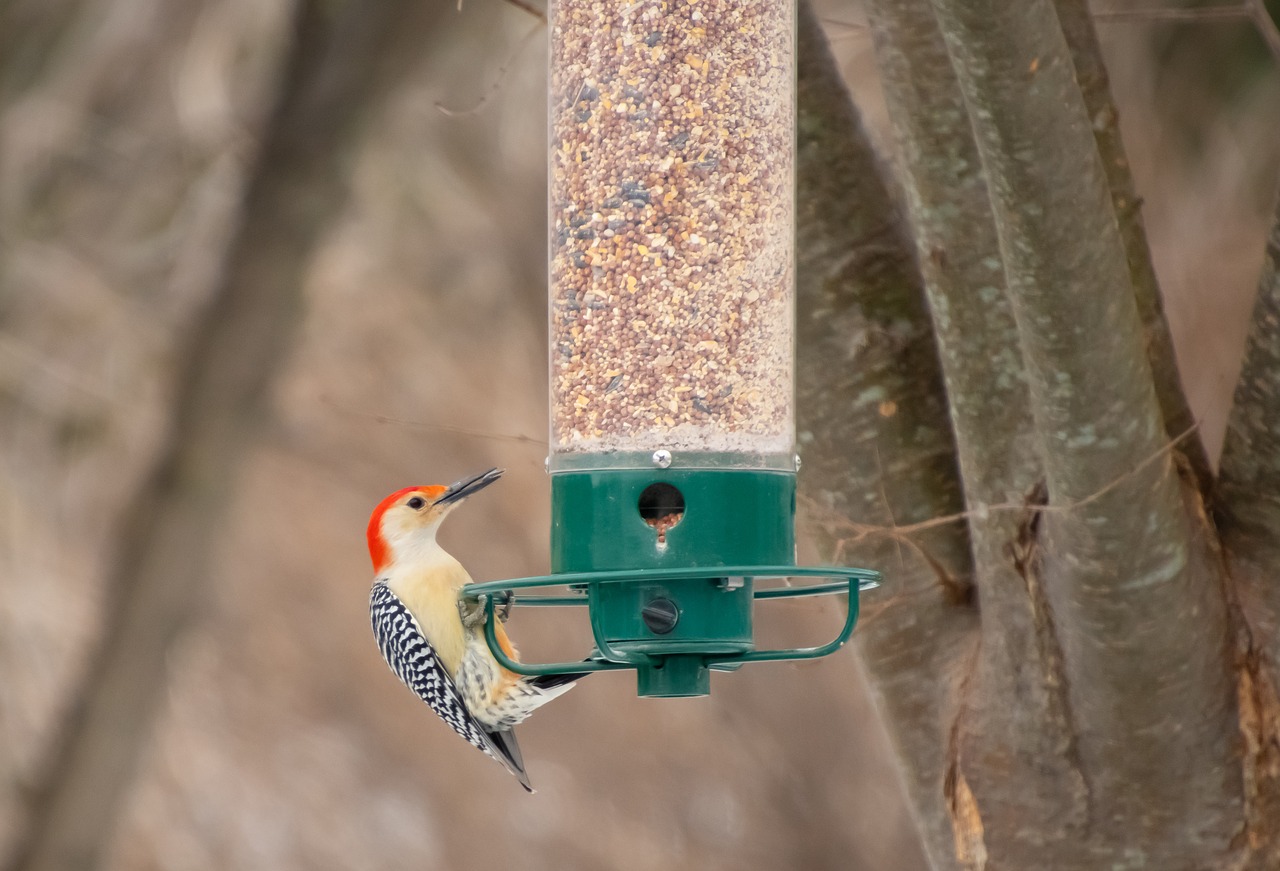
{"type": "Point", "coordinates": [660, 615]}
{"type": "Point", "coordinates": [797, 462]}
{"type": "Point", "coordinates": [662, 458]}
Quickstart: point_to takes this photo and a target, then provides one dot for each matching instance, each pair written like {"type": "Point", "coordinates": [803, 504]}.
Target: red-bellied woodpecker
{"type": "Point", "coordinates": [435, 643]}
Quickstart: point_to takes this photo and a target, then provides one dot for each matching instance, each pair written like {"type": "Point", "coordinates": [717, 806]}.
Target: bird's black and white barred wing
{"type": "Point", "coordinates": [414, 661]}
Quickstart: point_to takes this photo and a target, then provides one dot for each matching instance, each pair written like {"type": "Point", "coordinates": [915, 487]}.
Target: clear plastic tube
{"type": "Point", "coordinates": [671, 255]}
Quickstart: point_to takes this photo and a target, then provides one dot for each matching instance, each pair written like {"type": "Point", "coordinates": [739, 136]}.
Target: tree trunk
{"type": "Point", "coordinates": [873, 428]}
{"type": "Point", "coordinates": [1099, 720]}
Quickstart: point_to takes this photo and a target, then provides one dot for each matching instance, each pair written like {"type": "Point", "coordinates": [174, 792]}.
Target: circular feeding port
{"type": "Point", "coordinates": [661, 506]}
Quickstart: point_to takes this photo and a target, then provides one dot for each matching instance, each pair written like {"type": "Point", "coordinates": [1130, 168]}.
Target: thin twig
{"type": "Point", "coordinates": [497, 82]}
{"type": "Point", "coordinates": [51, 368]}
{"type": "Point", "coordinates": [848, 25]}
{"type": "Point", "coordinates": [850, 28]}
{"type": "Point", "coordinates": [1211, 13]}
{"type": "Point", "coordinates": [436, 427]}
{"type": "Point", "coordinates": [865, 530]}
{"type": "Point", "coordinates": [525, 6]}
{"type": "Point", "coordinates": [888, 507]}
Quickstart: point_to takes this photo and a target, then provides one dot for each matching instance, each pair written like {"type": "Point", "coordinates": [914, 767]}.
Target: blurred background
{"type": "Point", "coordinates": [128, 130]}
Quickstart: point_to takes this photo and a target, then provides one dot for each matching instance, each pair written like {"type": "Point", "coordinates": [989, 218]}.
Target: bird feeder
{"type": "Point", "coordinates": [672, 451]}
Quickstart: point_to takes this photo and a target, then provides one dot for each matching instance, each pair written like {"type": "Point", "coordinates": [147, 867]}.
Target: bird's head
{"type": "Point", "coordinates": [409, 518]}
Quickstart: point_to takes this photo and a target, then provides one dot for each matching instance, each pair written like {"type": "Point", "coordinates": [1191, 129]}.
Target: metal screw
{"type": "Point", "coordinates": [797, 462]}
{"type": "Point", "coordinates": [660, 615]}
{"type": "Point", "coordinates": [662, 458]}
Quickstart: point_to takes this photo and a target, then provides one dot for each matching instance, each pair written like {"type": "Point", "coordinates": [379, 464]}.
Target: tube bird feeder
{"type": "Point", "coordinates": [672, 301]}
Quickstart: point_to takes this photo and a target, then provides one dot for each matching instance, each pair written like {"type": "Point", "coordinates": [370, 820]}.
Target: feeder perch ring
{"type": "Point", "coordinates": [608, 657]}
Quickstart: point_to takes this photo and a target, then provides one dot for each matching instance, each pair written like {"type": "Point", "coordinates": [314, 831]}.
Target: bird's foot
{"type": "Point", "coordinates": [472, 613]}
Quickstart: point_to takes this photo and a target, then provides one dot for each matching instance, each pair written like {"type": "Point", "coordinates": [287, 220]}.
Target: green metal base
{"type": "Point", "coordinates": [642, 519]}
{"type": "Point", "coordinates": [676, 677]}
{"type": "Point", "coordinates": [667, 559]}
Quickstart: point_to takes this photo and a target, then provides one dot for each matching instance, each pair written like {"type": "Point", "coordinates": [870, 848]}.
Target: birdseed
{"type": "Point", "coordinates": [671, 263]}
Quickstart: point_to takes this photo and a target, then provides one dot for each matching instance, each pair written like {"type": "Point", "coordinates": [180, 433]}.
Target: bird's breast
{"type": "Point", "coordinates": [431, 595]}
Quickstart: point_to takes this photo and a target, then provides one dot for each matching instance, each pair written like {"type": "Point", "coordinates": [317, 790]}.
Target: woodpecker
{"type": "Point", "coordinates": [432, 639]}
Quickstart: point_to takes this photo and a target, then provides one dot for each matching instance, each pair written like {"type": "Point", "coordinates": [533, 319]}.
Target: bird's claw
{"type": "Point", "coordinates": [472, 613]}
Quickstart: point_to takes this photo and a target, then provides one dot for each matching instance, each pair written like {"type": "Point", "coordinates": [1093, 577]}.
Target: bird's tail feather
{"type": "Point", "coordinates": [503, 741]}
{"type": "Point", "coordinates": [550, 681]}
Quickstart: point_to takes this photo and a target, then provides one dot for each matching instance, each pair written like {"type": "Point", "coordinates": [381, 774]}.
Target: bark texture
{"type": "Point", "coordinates": [873, 428]}
{"type": "Point", "coordinates": [1115, 542]}
{"type": "Point", "coordinates": [1249, 491]}
{"type": "Point", "coordinates": [958, 249]}
{"type": "Point", "coordinates": [1091, 76]}
{"type": "Point", "coordinates": [1113, 536]}
{"type": "Point", "coordinates": [1248, 516]}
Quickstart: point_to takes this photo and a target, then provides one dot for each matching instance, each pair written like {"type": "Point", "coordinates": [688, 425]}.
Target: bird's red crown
{"type": "Point", "coordinates": [379, 550]}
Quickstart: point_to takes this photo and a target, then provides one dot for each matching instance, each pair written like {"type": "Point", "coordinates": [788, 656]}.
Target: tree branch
{"type": "Point", "coordinates": [1107, 567]}
{"type": "Point", "coordinates": [1014, 704]}
{"type": "Point", "coordinates": [873, 424]}
{"type": "Point", "coordinates": [1095, 88]}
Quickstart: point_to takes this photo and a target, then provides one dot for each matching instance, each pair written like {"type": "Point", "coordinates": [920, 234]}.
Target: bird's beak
{"type": "Point", "coordinates": [462, 489]}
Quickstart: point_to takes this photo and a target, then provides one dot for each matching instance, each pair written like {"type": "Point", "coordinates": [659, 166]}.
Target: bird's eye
{"type": "Point", "coordinates": [416, 502]}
